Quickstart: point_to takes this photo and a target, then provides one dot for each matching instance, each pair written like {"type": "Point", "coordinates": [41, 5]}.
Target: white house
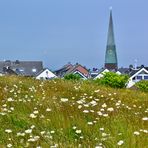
{"type": "Point", "coordinates": [118, 72]}
{"type": "Point", "coordinates": [80, 74]}
{"type": "Point", "coordinates": [1, 74]}
{"type": "Point", "coordinates": [136, 76]}
{"type": "Point", "coordinates": [45, 74]}
{"type": "Point", "coordinates": [100, 74]}
{"type": "Point", "coordinates": [103, 71]}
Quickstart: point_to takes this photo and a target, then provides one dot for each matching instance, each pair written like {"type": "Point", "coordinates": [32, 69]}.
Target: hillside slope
{"type": "Point", "coordinates": [62, 113]}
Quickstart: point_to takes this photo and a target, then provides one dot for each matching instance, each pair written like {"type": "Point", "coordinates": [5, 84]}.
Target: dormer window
{"type": "Point", "coordinates": [34, 70]}
{"type": "Point", "coordinates": [21, 70]}
{"type": "Point", "coordinates": [145, 77]}
{"type": "Point", "coordinates": [139, 77]}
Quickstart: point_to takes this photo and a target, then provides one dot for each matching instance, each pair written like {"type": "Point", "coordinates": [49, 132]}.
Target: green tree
{"type": "Point", "coordinates": [142, 85]}
{"type": "Point", "coordinates": [72, 77]}
{"type": "Point", "coordinates": [113, 80]}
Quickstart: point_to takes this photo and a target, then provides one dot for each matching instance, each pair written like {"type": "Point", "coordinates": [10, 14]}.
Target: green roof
{"type": "Point", "coordinates": [111, 55]}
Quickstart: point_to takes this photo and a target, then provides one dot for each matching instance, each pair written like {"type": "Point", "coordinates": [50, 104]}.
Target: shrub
{"type": "Point", "coordinates": [113, 80]}
{"type": "Point", "coordinates": [142, 85]}
{"type": "Point", "coordinates": [72, 77]}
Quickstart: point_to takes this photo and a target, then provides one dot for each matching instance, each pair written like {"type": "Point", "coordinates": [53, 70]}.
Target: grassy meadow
{"type": "Point", "coordinates": [66, 114]}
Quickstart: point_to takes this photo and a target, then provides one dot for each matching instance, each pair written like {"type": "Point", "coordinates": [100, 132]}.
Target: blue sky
{"type": "Point", "coordinates": [61, 31]}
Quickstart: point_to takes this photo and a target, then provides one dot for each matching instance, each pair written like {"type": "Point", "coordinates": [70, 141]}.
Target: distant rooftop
{"type": "Point", "coordinates": [27, 68]}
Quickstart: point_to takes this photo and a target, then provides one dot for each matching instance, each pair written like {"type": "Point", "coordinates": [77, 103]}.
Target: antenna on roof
{"type": "Point", "coordinates": [135, 64]}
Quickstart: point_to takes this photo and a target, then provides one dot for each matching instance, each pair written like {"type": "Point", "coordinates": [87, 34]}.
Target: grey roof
{"type": "Point", "coordinates": [62, 71]}
{"type": "Point", "coordinates": [8, 71]}
{"type": "Point", "coordinates": [133, 71]}
{"type": "Point", "coordinates": [101, 70]}
{"type": "Point", "coordinates": [26, 68]}
{"type": "Point", "coordinates": [124, 70]}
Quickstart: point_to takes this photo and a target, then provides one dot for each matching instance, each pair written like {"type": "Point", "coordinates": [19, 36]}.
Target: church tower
{"type": "Point", "coordinates": [111, 55]}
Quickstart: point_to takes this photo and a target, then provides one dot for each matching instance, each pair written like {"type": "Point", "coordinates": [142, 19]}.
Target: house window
{"type": "Point", "coordinates": [21, 70]}
{"type": "Point", "coordinates": [139, 77]}
{"type": "Point", "coordinates": [134, 78]}
{"type": "Point", "coordinates": [145, 77]}
{"type": "Point", "coordinates": [34, 70]}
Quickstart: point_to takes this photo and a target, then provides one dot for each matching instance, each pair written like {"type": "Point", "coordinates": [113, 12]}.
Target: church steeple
{"type": "Point", "coordinates": [111, 55]}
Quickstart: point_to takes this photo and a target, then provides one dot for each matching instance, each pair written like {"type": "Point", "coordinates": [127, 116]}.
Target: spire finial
{"type": "Point", "coordinates": [110, 8]}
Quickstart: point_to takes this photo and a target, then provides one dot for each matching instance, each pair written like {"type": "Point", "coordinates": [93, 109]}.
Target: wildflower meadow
{"type": "Point", "coordinates": [62, 113]}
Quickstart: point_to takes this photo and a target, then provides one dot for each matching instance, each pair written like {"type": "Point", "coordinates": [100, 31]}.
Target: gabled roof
{"type": "Point", "coordinates": [133, 71]}
{"type": "Point", "coordinates": [81, 74]}
{"type": "Point", "coordinates": [7, 70]}
{"type": "Point", "coordinates": [26, 68]}
{"type": "Point", "coordinates": [124, 70]}
{"type": "Point", "coordinates": [136, 72]}
{"type": "Point", "coordinates": [61, 72]}
{"type": "Point", "coordinates": [69, 68]}
{"type": "Point", "coordinates": [146, 68]}
{"type": "Point", "coordinates": [41, 71]}
{"type": "Point", "coordinates": [101, 72]}
{"type": "Point", "coordinates": [46, 74]}
{"type": "Point", "coordinates": [75, 68]}
{"type": "Point", "coordinates": [65, 67]}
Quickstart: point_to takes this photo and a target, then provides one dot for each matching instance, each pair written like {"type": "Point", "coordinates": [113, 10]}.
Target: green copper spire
{"type": "Point", "coordinates": [111, 55]}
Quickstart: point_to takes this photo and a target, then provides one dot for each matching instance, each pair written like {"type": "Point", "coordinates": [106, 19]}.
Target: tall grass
{"type": "Point", "coordinates": [63, 113]}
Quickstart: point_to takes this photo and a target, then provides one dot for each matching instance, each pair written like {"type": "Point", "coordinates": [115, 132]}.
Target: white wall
{"type": "Point", "coordinates": [130, 83]}
{"type": "Point", "coordinates": [46, 74]}
{"type": "Point", "coordinates": [101, 74]}
{"type": "Point", "coordinates": [133, 81]}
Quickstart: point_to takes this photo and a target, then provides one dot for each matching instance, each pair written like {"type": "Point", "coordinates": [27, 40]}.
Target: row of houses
{"type": "Point", "coordinates": [25, 68]}
{"type": "Point", "coordinates": [135, 74]}
{"type": "Point", "coordinates": [36, 69]}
